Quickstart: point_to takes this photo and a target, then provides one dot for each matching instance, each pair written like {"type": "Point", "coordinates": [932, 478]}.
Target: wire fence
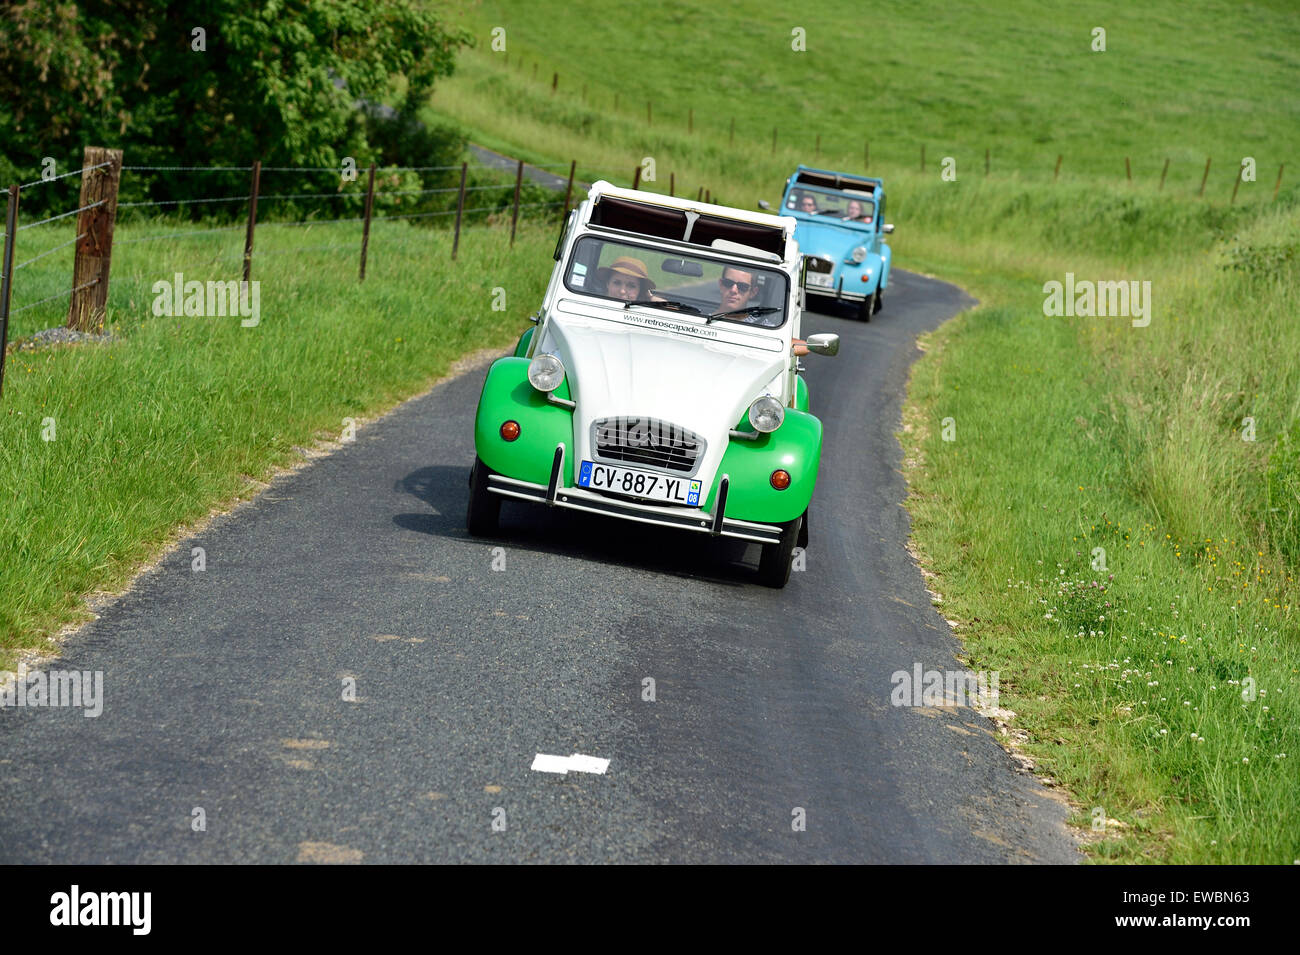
{"type": "Point", "coordinates": [470, 202]}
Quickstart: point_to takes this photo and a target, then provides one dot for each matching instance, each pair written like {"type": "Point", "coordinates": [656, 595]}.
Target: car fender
{"type": "Point", "coordinates": [886, 256]}
{"type": "Point", "coordinates": [525, 342]}
{"type": "Point", "coordinates": [508, 396]}
{"type": "Point", "coordinates": [796, 446]}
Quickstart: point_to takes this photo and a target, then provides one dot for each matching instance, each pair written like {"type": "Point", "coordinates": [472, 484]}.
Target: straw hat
{"type": "Point", "coordinates": [626, 265]}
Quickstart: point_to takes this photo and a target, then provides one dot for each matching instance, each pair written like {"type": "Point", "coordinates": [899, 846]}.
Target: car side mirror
{"type": "Point", "coordinates": [825, 344]}
{"type": "Point", "coordinates": [764, 204]}
{"type": "Point", "coordinates": [889, 227]}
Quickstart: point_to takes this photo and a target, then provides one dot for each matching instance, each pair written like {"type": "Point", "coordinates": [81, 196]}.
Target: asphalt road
{"type": "Point", "coordinates": [224, 689]}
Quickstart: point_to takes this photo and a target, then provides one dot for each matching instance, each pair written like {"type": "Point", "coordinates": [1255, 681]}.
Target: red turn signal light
{"type": "Point", "coordinates": [780, 479]}
{"type": "Point", "coordinates": [510, 430]}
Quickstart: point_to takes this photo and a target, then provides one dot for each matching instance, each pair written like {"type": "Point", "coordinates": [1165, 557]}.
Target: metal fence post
{"type": "Point", "coordinates": [365, 228]}
{"type": "Point", "coordinates": [568, 190]}
{"type": "Point", "coordinates": [514, 215]}
{"type": "Point", "coordinates": [6, 278]}
{"type": "Point", "coordinates": [460, 209]}
{"type": "Point", "coordinates": [252, 219]}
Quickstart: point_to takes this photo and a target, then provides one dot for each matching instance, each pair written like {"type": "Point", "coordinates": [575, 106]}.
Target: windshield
{"type": "Point", "coordinates": [835, 203]}
{"type": "Point", "coordinates": [717, 289]}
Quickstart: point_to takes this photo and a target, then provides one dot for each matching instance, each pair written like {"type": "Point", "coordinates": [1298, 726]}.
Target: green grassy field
{"type": "Point", "coordinates": [1072, 434]}
{"type": "Point", "coordinates": [186, 413]}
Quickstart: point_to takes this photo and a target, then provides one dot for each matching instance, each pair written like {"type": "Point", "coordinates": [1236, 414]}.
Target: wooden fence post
{"type": "Point", "coordinates": [1163, 172]}
{"type": "Point", "coordinates": [636, 177]}
{"type": "Point", "coordinates": [94, 248]}
{"type": "Point", "coordinates": [514, 214]}
{"type": "Point", "coordinates": [6, 277]}
{"type": "Point", "coordinates": [254, 187]}
{"type": "Point", "coordinates": [1205, 176]}
{"type": "Point", "coordinates": [1056, 173]}
{"type": "Point", "coordinates": [555, 82]}
{"type": "Point", "coordinates": [672, 183]}
{"type": "Point", "coordinates": [1236, 184]}
{"type": "Point", "coordinates": [1128, 170]}
{"type": "Point", "coordinates": [365, 227]}
{"type": "Point", "coordinates": [460, 209]}
{"type": "Point", "coordinates": [699, 196]}
{"type": "Point", "coordinates": [1278, 185]}
{"type": "Point", "coordinates": [568, 190]}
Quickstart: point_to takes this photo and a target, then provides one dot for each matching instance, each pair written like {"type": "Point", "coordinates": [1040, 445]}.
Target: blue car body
{"type": "Point", "coordinates": [846, 256]}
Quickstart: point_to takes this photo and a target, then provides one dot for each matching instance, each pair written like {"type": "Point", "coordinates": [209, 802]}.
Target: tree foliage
{"type": "Point", "coordinates": [279, 80]}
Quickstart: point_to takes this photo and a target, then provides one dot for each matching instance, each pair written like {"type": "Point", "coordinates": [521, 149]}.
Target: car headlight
{"type": "Point", "coordinates": [766, 414]}
{"type": "Point", "coordinates": [545, 373]}
{"type": "Point", "coordinates": [859, 253]}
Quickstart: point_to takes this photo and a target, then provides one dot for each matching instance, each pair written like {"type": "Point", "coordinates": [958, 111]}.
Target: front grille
{"type": "Point", "coordinates": [817, 264]}
{"type": "Point", "coordinates": [646, 441]}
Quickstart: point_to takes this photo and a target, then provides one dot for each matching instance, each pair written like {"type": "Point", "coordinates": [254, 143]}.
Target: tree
{"type": "Point", "coordinates": [211, 83]}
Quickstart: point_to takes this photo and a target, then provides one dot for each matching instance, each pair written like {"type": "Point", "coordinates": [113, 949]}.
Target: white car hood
{"type": "Point", "coordinates": [618, 368]}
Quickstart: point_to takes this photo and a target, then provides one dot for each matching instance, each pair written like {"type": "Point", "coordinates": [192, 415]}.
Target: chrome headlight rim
{"type": "Point", "coordinates": [858, 255]}
{"type": "Point", "coordinates": [545, 372]}
{"type": "Point", "coordinates": [766, 414]}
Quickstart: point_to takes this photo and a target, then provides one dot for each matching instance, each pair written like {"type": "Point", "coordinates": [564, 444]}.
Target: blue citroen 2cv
{"type": "Point", "coordinates": [841, 234]}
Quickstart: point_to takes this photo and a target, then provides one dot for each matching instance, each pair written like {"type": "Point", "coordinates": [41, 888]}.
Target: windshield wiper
{"type": "Point", "coordinates": [671, 306]}
{"type": "Point", "coordinates": [753, 310]}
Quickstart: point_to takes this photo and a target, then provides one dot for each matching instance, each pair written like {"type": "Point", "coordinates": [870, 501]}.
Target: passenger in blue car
{"type": "Point", "coordinates": [856, 212]}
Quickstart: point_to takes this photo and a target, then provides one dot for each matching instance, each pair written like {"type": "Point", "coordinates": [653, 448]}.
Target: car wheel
{"type": "Point", "coordinates": [774, 565]}
{"type": "Point", "coordinates": [484, 512]}
{"type": "Point", "coordinates": [803, 532]}
{"type": "Point", "coordinates": [879, 300]}
{"type": "Point", "coordinates": [868, 306]}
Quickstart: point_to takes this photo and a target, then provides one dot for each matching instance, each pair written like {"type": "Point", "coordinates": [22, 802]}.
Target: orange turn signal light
{"type": "Point", "coordinates": [780, 479]}
{"type": "Point", "coordinates": [510, 430]}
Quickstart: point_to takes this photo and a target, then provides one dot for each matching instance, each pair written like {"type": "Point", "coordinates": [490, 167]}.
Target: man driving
{"type": "Point", "coordinates": [738, 290]}
{"type": "Point", "coordinates": [808, 204]}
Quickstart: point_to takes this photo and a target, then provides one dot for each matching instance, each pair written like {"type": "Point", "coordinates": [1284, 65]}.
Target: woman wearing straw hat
{"type": "Point", "coordinates": [627, 279]}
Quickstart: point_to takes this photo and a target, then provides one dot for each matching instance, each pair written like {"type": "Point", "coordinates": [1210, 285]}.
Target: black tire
{"type": "Point", "coordinates": [803, 532]}
{"type": "Point", "coordinates": [879, 300]}
{"type": "Point", "coordinates": [774, 565]}
{"type": "Point", "coordinates": [483, 515]}
{"type": "Point", "coordinates": [868, 306]}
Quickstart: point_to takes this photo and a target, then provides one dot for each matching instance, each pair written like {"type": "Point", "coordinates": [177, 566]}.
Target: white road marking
{"type": "Point", "coordinates": [577, 763]}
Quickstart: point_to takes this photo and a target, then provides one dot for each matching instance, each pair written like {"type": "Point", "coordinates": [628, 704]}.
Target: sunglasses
{"type": "Point", "coordinates": [728, 284]}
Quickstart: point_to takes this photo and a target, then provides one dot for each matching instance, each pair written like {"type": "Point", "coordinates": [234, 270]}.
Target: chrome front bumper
{"type": "Point", "coordinates": [716, 524]}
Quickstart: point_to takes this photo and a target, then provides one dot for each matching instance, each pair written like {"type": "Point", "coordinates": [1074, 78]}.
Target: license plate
{"type": "Point", "coordinates": [818, 278]}
{"type": "Point", "coordinates": [637, 483]}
